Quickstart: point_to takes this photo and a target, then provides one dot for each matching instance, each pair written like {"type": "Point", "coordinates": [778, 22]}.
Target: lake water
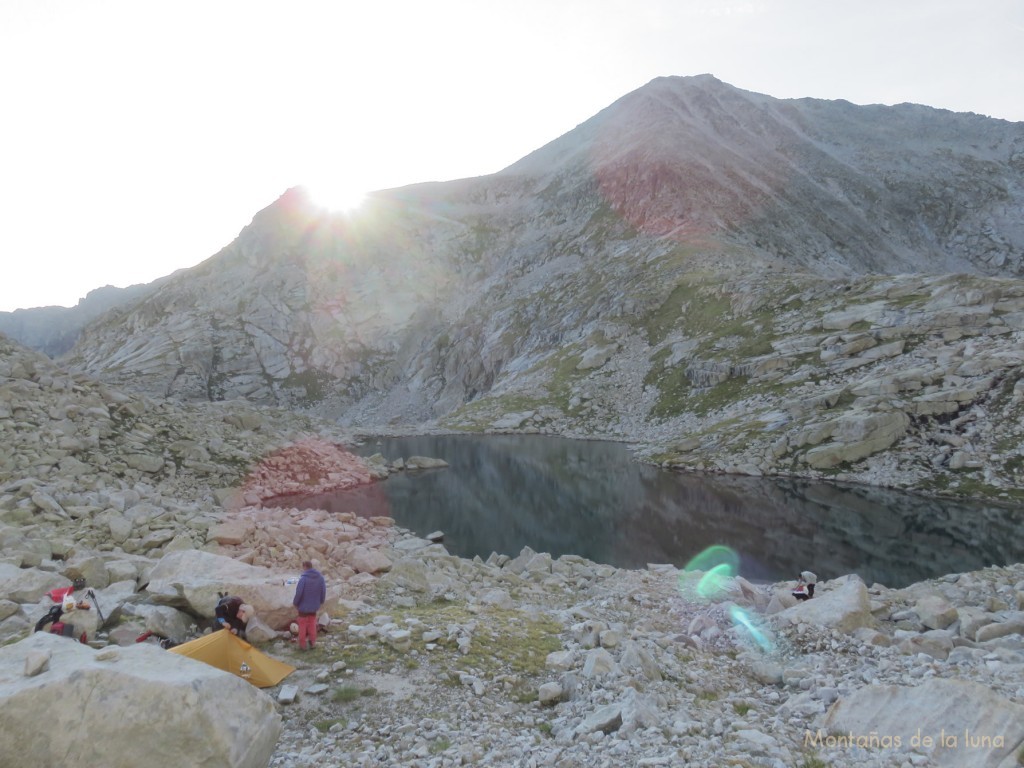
{"type": "Point", "coordinates": [503, 492]}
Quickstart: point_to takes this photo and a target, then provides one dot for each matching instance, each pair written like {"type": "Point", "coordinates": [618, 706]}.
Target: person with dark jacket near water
{"type": "Point", "coordinates": [310, 594]}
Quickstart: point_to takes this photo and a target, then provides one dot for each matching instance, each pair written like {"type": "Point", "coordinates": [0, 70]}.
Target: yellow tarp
{"type": "Point", "coordinates": [226, 651]}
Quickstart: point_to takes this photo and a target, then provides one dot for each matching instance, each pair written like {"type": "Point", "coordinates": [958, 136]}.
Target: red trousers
{"type": "Point", "coordinates": [307, 626]}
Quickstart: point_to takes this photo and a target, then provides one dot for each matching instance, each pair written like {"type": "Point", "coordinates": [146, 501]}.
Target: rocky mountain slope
{"type": "Point", "coordinates": [732, 281]}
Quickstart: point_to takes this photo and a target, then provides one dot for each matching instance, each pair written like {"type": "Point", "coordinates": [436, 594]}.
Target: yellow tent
{"type": "Point", "coordinates": [226, 651]}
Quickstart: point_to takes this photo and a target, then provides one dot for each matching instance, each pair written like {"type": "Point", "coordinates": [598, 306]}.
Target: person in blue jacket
{"type": "Point", "coordinates": [310, 594]}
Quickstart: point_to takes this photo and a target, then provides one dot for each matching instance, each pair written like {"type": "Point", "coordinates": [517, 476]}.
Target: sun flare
{"type": "Point", "coordinates": [336, 197]}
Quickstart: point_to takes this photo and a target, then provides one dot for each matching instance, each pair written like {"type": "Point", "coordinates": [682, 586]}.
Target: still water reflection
{"type": "Point", "coordinates": [502, 493]}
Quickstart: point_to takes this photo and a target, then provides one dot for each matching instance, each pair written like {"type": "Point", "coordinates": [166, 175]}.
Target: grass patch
{"type": "Point", "coordinates": [524, 693]}
{"type": "Point", "coordinates": [504, 641]}
{"type": "Point", "coordinates": [370, 654]}
{"type": "Point", "coordinates": [345, 694]}
{"type": "Point", "coordinates": [740, 707]}
{"type": "Point", "coordinates": [325, 725]}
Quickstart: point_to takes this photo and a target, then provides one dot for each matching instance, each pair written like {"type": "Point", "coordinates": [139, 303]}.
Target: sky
{"type": "Point", "coordinates": [139, 137]}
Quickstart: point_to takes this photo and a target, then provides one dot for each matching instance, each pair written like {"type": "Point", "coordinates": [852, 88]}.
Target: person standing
{"type": "Point", "coordinates": [310, 594]}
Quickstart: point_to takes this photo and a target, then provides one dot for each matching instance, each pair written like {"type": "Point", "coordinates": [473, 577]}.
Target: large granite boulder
{"type": "Point", "coordinates": [65, 703]}
{"type": "Point", "coordinates": [27, 585]}
{"type": "Point", "coordinates": [955, 722]}
{"type": "Point", "coordinates": [191, 580]}
{"type": "Point", "coordinates": [844, 608]}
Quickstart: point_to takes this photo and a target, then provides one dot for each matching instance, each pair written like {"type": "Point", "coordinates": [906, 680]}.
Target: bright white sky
{"type": "Point", "coordinates": [139, 136]}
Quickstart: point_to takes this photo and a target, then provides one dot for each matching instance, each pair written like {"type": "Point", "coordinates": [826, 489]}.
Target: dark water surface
{"type": "Point", "coordinates": [504, 492]}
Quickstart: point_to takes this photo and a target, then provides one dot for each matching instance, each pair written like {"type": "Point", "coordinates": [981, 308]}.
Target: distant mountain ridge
{"type": "Point", "coordinates": [54, 330]}
{"type": "Point", "coordinates": [686, 247]}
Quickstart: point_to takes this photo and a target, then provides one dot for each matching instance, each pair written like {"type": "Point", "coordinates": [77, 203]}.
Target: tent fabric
{"type": "Point", "coordinates": [226, 651]}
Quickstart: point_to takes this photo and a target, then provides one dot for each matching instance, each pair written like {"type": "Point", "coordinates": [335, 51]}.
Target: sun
{"type": "Point", "coordinates": [336, 197]}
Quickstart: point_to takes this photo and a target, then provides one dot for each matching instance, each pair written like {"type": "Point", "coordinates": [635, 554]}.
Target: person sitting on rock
{"type": "Point", "coordinates": [800, 591]}
{"type": "Point", "coordinates": [810, 580]}
{"type": "Point", "coordinates": [232, 614]}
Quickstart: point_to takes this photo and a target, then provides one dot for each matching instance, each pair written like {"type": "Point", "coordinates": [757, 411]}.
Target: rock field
{"type": "Point", "coordinates": [434, 660]}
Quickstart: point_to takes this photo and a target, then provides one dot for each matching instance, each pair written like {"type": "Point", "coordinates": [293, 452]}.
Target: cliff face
{"type": "Point", "coordinates": [735, 281]}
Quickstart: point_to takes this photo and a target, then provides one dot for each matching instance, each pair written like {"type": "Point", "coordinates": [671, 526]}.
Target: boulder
{"type": "Point", "coordinates": [550, 694]}
{"type": "Point", "coordinates": [936, 643]}
{"type": "Point", "coordinates": [935, 612]}
{"type": "Point", "coordinates": [231, 532]}
{"type": "Point", "coordinates": [366, 560]}
{"type": "Point", "coordinates": [955, 722]}
{"type": "Point", "coordinates": [27, 585]}
{"type": "Point", "coordinates": [89, 566]}
{"type": "Point", "coordinates": [156, 708]}
{"type": "Point", "coordinates": [192, 579]}
{"type": "Point", "coordinates": [499, 598]}
{"type": "Point", "coordinates": [857, 435]}
{"type": "Point", "coordinates": [598, 663]}
{"type": "Point", "coordinates": [424, 462]}
{"type": "Point", "coordinates": [1013, 624]}
{"type": "Point", "coordinates": [258, 632]}
{"type": "Point", "coordinates": [845, 608]}
{"type": "Point", "coordinates": [163, 620]}
{"type": "Point", "coordinates": [606, 719]}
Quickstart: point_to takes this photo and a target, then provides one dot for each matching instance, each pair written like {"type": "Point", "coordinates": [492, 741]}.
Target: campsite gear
{"type": "Point", "coordinates": [52, 617]}
{"type": "Point", "coordinates": [58, 627]}
{"type": "Point", "coordinates": [229, 652]}
{"type": "Point", "coordinates": [58, 595]}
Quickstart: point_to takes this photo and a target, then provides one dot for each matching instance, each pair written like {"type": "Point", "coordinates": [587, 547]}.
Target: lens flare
{"type": "Point", "coordinates": [741, 619]}
{"type": "Point", "coordinates": [713, 583]}
{"type": "Point", "coordinates": [713, 556]}
{"type": "Point", "coordinates": [719, 564]}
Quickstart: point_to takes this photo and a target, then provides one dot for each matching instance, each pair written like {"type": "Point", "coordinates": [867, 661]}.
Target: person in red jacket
{"type": "Point", "coordinates": [310, 594]}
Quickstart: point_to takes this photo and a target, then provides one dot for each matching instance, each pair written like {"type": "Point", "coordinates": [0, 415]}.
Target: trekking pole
{"type": "Point", "coordinates": [96, 602]}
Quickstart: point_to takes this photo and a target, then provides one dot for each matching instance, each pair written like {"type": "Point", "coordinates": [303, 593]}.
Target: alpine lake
{"type": "Point", "coordinates": [501, 493]}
